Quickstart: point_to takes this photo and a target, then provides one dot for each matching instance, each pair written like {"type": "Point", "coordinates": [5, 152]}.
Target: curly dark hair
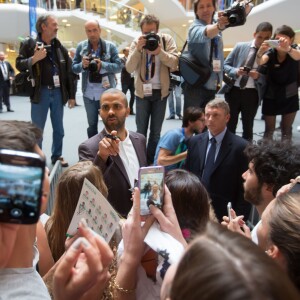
{"type": "Point", "coordinates": [274, 163]}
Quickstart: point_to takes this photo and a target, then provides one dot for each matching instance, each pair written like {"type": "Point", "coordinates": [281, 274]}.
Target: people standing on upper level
{"type": "Point", "coordinates": [98, 61]}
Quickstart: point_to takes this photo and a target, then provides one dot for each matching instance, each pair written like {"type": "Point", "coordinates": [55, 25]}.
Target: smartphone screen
{"type": "Point", "coordinates": [21, 179]}
{"type": "Point", "coordinates": [151, 185]}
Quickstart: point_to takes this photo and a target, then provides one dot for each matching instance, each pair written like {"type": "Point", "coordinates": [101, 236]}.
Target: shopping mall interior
{"type": "Point", "coordinates": [119, 19]}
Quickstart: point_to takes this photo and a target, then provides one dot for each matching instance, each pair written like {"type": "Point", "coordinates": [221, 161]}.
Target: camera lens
{"type": "Point", "coordinates": [152, 44]}
{"type": "Point", "coordinates": [93, 67]}
{"type": "Point", "coordinates": [233, 18]}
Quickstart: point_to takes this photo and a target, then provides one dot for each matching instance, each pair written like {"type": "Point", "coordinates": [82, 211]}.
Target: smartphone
{"type": "Point", "coordinates": [152, 186]}
{"type": "Point", "coordinates": [21, 181]}
{"type": "Point", "coordinates": [273, 43]}
{"type": "Point", "coordinates": [39, 45]}
{"type": "Point", "coordinates": [246, 69]}
{"type": "Point", "coordinates": [229, 206]}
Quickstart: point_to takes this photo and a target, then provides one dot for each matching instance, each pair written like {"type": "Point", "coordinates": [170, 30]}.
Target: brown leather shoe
{"type": "Point", "coordinates": [62, 161]}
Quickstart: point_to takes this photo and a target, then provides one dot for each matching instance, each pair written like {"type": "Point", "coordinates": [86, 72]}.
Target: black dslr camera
{"type": "Point", "coordinates": [152, 41]}
{"type": "Point", "coordinates": [94, 75]}
{"type": "Point", "coordinates": [237, 13]}
{"type": "Point", "coordinates": [93, 67]}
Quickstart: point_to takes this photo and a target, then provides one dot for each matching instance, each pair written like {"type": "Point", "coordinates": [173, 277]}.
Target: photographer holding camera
{"type": "Point", "coordinates": [49, 66]}
{"type": "Point", "coordinates": [151, 56]}
{"type": "Point", "coordinates": [98, 61]}
{"type": "Point", "coordinates": [243, 97]}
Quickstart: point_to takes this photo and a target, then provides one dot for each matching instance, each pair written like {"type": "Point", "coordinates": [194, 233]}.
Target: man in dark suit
{"type": "Point", "coordinates": [217, 158]}
{"type": "Point", "coordinates": [6, 73]}
{"type": "Point", "coordinates": [127, 80]}
{"type": "Point", "coordinates": [245, 95]}
{"type": "Point", "coordinates": [119, 153]}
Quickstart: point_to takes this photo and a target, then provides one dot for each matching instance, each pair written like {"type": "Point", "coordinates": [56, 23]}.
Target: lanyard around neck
{"type": "Point", "coordinates": [149, 61]}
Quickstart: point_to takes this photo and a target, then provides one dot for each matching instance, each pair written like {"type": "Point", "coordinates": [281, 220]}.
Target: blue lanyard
{"type": "Point", "coordinates": [148, 62]}
{"type": "Point", "coordinates": [215, 46]}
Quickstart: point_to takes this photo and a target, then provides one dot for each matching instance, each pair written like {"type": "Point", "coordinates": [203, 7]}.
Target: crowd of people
{"type": "Point", "coordinates": [181, 249]}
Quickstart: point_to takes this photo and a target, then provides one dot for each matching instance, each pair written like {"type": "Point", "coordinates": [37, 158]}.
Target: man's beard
{"type": "Point", "coordinates": [253, 196]}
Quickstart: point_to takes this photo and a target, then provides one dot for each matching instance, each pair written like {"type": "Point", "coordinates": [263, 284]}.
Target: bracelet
{"type": "Point", "coordinates": [219, 28]}
{"type": "Point", "coordinates": [290, 50]}
{"type": "Point", "coordinates": [122, 290]}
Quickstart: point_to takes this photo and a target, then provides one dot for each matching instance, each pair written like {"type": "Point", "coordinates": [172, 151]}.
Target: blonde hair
{"type": "Point", "coordinates": [284, 223]}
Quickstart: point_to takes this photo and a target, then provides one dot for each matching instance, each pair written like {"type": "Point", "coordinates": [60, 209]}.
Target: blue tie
{"type": "Point", "coordinates": [210, 161]}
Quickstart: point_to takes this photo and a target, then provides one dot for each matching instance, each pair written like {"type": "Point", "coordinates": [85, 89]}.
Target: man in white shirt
{"type": "Point", "coordinates": [119, 153]}
{"type": "Point", "coordinates": [244, 96]}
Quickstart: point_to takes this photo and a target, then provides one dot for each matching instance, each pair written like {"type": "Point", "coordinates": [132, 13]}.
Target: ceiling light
{"type": "Point", "coordinates": [190, 21]}
{"type": "Point", "coordinates": [151, 1]}
{"type": "Point", "coordinates": [183, 25]}
{"type": "Point", "coordinates": [64, 21]}
{"type": "Point", "coordinates": [68, 25]}
{"type": "Point", "coordinates": [108, 30]}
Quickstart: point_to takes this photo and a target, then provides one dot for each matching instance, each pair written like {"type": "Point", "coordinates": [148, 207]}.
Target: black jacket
{"type": "Point", "coordinates": [24, 62]}
{"type": "Point", "coordinates": [11, 73]}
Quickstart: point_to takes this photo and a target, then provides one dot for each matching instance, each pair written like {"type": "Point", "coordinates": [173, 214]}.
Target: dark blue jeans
{"type": "Point", "coordinates": [151, 109]}
{"type": "Point", "coordinates": [92, 113]}
{"type": "Point", "coordinates": [50, 99]}
{"type": "Point", "coordinates": [175, 93]}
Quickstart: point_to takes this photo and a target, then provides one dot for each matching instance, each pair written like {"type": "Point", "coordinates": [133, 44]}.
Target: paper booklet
{"type": "Point", "coordinates": [96, 210]}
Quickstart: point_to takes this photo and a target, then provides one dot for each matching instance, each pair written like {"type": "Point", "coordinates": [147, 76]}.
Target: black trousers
{"type": "Point", "coordinates": [244, 101]}
{"type": "Point", "coordinates": [4, 94]}
{"type": "Point", "coordinates": [130, 87]}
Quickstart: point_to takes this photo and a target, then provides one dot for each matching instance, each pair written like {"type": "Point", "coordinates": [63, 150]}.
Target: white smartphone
{"type": "Point", "coordinates": [273, 43]}
{"type": "Point", "coordinates": [151, 185]}
{"type": "Point", "coordinates": [228, 210]}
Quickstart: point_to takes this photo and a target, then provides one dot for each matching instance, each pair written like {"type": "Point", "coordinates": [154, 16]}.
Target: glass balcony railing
{"type": "Point", "coordinates": [110, 10]}
{"type": "Point", "coordinates": [222, 4]}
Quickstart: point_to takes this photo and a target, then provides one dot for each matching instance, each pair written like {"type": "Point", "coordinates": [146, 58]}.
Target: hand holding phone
{"type": "Point", "coordinates": [273, 43]}
{"type": "Point", "coordinates": [151, 185]}
{"type": "Point", "coordinates": [21, 181]}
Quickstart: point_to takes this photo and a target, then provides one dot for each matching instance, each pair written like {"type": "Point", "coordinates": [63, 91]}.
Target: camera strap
{"type": "Point", "coordinates": [149, 61]}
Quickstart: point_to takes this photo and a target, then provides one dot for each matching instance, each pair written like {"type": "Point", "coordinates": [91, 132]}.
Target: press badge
{"type": "Point", "coordinates": [56, 80]}
{"type": "Point", "coordinates": [147, 88]}
{"type": "Point", "coordinates": [217, 65]}
{"type": "Point", "coordinates": [105, 82]}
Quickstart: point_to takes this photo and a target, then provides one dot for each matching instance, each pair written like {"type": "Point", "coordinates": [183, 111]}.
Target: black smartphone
{"type": "Point", "coordinates": [21, 182]}
{"type": "Point", "coordinates": [152, 186]}
{"type": "Point", "coordinates": [246, 69]}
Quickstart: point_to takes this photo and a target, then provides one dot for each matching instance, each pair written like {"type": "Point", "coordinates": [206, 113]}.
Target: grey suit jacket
{"type": "Point", "coordinates": [236, 59]}
{"type": "Point", "coordinates": [114, 173]}
{"type": "Point", "coordinates": [226, 183]}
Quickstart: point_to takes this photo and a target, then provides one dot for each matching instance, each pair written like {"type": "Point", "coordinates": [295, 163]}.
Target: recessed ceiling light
{"type": "Point", "coordinates": [64, 21]}
{"type": "Point", "coordinates": [191, 21]}
{"type": "Point", "coordinates": [108, 30]}
{"type": "Point", "coordinates": [183, 25]}
{"type": "Point", "coordinates": [151, 1]}
{"type": "Point", "coordinates": [68, 25]}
